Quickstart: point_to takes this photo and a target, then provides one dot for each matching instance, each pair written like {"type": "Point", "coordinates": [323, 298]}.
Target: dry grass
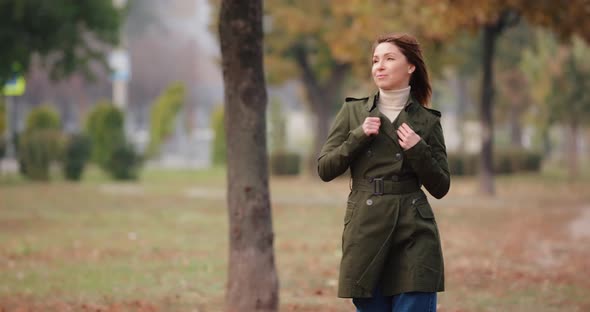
{"type": "Point", "coordinates": [161, 245]}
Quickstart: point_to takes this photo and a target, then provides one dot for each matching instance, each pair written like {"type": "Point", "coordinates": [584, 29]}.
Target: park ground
{"type": "Point", "coordinates": [160, 244]}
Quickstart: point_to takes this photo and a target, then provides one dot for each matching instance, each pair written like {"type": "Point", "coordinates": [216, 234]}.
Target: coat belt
{"type": "Point", "coordinates": [381, 186]}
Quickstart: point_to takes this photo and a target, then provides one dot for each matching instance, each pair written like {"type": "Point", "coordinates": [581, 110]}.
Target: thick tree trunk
{"type": "Point", "coordinates": [252, 283]}
{"type": "Point", "coordinates": [572, 157]}
{"type": "Point", "coordinates": [486, 169]}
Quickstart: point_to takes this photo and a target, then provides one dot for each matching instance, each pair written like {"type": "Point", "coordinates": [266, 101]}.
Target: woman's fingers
{"type": "Point", "coordinates": [371, 125]}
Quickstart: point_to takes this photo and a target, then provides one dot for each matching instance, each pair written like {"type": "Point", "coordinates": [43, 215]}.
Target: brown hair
{"type": "Point", "coordinates": [419, 81]}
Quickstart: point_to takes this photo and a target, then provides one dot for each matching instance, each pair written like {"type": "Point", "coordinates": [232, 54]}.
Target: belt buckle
{"type": "Point", "coordinates": [378, 186]}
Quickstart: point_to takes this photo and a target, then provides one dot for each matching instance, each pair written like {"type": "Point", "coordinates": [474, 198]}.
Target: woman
{"type": "Point", "coordinates": [393, 144]}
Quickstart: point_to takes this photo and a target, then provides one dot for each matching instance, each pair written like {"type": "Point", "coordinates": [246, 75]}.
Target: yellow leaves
{"type": "Point", "coordinates": [278, 68]}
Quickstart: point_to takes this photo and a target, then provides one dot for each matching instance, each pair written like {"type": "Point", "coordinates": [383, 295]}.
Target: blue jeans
{"type": "Point", "coordinates": [406, 302]}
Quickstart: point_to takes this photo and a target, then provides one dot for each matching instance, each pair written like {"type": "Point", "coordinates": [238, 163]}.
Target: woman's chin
{"type": "Point", "coordinates": [383, 85]}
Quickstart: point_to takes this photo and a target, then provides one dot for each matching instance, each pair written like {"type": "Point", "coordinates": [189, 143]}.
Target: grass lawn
{"type": "Point", "coordinates": [160, 244]}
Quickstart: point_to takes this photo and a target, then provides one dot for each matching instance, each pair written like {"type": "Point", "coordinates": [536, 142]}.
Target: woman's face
{"type": "Point", "coordinates": [391, 70]}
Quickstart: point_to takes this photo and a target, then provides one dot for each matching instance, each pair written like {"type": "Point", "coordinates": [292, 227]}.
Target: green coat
{"type": "Point", "coordinates": [390, 238]}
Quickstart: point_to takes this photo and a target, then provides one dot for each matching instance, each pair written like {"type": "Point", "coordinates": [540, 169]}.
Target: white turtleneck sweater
{"type": "Point", "coordinates": [391, 102]}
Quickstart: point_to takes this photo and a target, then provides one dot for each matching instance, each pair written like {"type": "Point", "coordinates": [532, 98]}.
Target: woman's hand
{"type": "Point", "coordinates": [371, 125]}
{"type": "Point", "coordinates": [407, 137]}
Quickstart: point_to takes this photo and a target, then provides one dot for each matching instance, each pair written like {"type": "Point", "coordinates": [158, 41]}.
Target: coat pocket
{"type": "Point", "coordinates": [349, 212]}
{"type": "Point", "coordinates": [421, 204]}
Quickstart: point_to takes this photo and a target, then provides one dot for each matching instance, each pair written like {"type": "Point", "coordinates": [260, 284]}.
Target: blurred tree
{"type": "Point", "coordinates": [570, 101]}
{"type": "Point", "coordinates": [252, 281]}
{"type": "Point", "coordinates": [492, 18]}
{"type": "Point", "coordinates": [66, 34]}
{"type": "Point", "coordinates": [539, 64]}
{"type": "Point", "coordinates": [322, 42]}
{"type": "Point", "coordinates": [163, 115]}
{"type": "Point", "coordinates": [219, 153]}
{"type": "Point", "coordinates": [513, 92]}
{"type": "Point", "coordinates": [278, 127]}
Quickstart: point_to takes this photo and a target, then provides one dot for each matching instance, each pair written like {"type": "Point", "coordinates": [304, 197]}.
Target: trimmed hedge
{"type": "Point", "coordinates": [105, 128]}
{"type": "Point", "coordinates": [42, 118]}
{"type": "Point", "coordinates": [37, 149]}
{"type": "Point", "coordinates": [124, 163]}
{"type": "Point", "coordinates": [76, 155]}
{"type": "Point", "coordinates": [40, 144]}
{"type": "Point", "coordinates": [285, 163]}
{"type": "Point", "coordinates": [504, 161]}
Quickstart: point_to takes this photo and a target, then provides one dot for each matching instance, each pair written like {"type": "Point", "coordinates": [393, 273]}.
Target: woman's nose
{"type": "Point", "coordinates": [380, 64]}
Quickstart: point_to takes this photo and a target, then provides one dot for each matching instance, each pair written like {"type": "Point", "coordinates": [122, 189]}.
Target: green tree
{"type": "Point", "coordinates": [68, 35]}
{"type": "Point", "coordinates": [163, 115]}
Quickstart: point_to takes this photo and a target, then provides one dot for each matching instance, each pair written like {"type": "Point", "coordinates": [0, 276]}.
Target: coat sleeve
{"type": "Point", "coordinates": [341, 146]}
{"type": "Point", "coordinates": [428, 158]}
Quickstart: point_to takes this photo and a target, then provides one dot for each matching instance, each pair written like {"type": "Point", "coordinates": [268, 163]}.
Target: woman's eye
{"type": "Point", "coordinates": [374, 61]}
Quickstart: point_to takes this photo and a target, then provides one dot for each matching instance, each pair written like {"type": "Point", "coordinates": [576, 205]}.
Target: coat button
{"type": "Point", "coordinates": [398, 156]}
{"type": "Point", "coordinates": [369, 153]}
{"type": "Point", "coordinates": [369, 202]}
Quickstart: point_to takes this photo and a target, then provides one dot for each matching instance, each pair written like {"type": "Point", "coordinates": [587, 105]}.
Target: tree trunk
{"type": "Point", "coordinates": [462, 97]}
{"type": "Point", "coordinates": [572, 149]}
{"type": "Point", "coordinates": [486, 169]}
{"type": "Point", "coordinates": [252, 282]}
{"type": "Point", "coordinates": [515, 125]}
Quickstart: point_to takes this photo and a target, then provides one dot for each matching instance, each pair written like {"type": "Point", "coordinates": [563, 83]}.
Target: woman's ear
{"type": "Point", "coordinates": [411, 69]}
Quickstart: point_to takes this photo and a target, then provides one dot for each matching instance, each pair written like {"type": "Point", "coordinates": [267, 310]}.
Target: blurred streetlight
{"type": "Point", "coordinates": [120, 66]}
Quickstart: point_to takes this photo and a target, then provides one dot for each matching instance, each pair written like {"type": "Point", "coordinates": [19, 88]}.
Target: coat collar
{"type": "Point", "coordinates": [374, 99]}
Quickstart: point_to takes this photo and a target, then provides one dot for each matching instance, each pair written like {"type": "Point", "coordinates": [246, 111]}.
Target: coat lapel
{"type": "Point", "coordinates": [410, 115]}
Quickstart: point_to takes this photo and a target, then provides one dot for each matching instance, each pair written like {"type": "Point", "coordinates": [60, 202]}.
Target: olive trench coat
{"type": "Point", "coordinates": [390, 237]}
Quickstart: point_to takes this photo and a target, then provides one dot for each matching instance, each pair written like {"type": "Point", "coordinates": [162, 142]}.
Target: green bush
{"type": "Point", "coordinates": [37, 149]}
{"type": "Point", "coordinates": [163, 115]}
{"type": "Point", "coordinates": [285, 163]}
{"type": "Point", "coordinates": [219, 145]}
{"type": "Point", "coordinates": [2, 147]}
{"type": "Point", "coordinates": [42, 118]}
{"type": "Point", "coordinates": [3, 125]}
{"type": "Point", "coordinates": [504, 161]}
{"type": "Point", "coordinates": [105, 128]}
{"type": "Point", "coordinates": [462, 164]}
{"type": "Point", "coordinates": [76, 154]}
{"type": "Point", "coordinates": [516, 160]}
{"type": "Point", "coordinates": [124, 163]}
